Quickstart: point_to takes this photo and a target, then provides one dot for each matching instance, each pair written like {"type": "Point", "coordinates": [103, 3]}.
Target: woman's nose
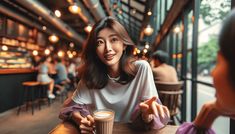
{"type": "Point", "coordinates": [108, 46]}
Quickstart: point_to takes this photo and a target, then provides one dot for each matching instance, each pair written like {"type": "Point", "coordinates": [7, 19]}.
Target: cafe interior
{"type": "Point", "coordinates": [32, 29]}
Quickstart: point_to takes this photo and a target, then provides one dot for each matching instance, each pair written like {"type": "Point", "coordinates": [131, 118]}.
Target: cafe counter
{"type": "Point", "coordinates": [11, 88]}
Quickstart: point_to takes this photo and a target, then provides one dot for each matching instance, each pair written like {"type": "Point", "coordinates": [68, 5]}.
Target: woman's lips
{"type": "Point", "coordinates": [109, 56]}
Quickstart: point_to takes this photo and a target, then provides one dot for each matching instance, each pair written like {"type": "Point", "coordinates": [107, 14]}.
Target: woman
{"type": "Point", "coordinates": [224, 83]}
{"type": "Point", "coordinates": [111, 78]}
{"type": "Point", "coordinates": [44, 77]}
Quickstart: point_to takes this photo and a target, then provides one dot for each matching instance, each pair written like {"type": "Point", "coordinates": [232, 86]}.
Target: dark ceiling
{"type": "Point", "coordinates": [131, 13]}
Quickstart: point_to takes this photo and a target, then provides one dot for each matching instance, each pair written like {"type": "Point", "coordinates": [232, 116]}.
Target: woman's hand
{"type": "Point", "coordinates": [209, 112]}
{"type": "Point", "coordinates": [151, 108]}
{"type": "Point", "coordinates": [86, 124]}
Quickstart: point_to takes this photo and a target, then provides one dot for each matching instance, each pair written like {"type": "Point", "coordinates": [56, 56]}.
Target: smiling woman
{"type": "Point", "coordinates": [111, 78]}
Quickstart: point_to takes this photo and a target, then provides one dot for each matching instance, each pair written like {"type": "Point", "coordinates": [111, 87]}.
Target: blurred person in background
{"type": "Point", "coordinates": [44, 77]}
{"type": "Point", "coordinates": [161, 70]}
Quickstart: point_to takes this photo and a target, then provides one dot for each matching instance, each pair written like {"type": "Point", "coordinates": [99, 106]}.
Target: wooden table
{"type": "Point", "coordinates": [125, 129]}
{"type": "Point", "coordinates": [119, 128]}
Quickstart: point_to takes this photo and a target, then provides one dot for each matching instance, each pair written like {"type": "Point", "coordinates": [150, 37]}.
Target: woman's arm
{"type": "Point", "coordinates": [207, 115]}
{"type": "Point", "coordinates": [150, 114]}
{"type": "Point", "coordinates": [79, 114]}
{"type": "Point", "coordinates": [203, 121]}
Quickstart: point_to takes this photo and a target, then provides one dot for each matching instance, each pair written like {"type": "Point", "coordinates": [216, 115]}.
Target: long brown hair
{"type": "Point", "coordinates": [94, 71]}
{"type": "Point", "coordinates": [227, 44]}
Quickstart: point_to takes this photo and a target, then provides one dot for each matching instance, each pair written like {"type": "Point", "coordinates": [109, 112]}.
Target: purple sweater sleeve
{"type": "Point", "coordinates": [156, 123]}
{"type": "Point", "coordinates": [66, 111]}
{"type": "Point", "coordinates": [190, 128]}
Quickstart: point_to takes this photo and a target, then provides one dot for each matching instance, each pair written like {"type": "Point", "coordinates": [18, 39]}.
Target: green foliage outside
{"type": "Point", "coordinates": [213, 11]}
{"type": "Point", "coordinates": [207, 54]}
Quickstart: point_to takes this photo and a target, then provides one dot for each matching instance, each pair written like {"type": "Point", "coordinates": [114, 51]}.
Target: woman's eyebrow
{"type": "Point", "coordinates": [99, 38]}
{"type": "Point", "coordinates": [113, 35]}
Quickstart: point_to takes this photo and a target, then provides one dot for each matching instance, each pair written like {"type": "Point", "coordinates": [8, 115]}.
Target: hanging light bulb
{"type": "Point", "coordinates": [74, 9]}
{"type": "Point", "coordinates": [149, 13]}
{"type": "Point", "coordinates": [147, 46]}
{"type": "Point", "coordinates": [57, 13]}
{"type": "Point", "coordinates": [47, 51]}
{"type": "Point", "coordinates": [71, 44]}
{"type": "Point", "coordinates": [35, 52]}
{"type": "Point", "coordinates": [148, 30]}
{"type": "Point", "coordinates": [53, 38]}
{"type": "Point", "coordinates": [177, 29]}
{"type": "Point", "coordinates": [88, 28]}
{"type": "Point", "coordinates": [60, 53]}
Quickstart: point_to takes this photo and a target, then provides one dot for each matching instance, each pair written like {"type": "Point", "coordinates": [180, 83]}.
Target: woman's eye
{"type": "Point", "coordinates": [99, 42]}
{"type": "Point", "coordinates": [114, 39]}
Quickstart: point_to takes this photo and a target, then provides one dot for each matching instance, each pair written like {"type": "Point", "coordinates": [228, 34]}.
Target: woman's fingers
{"type": "Point", "coordinates": [91, 119]}
{"type": "Point", "coordinates": [86, 121]}
{"type": "Point", "coordinates": [149, 101]}
{"type": "Point", "coordinates": [86, 127]}
{"type": "Point", "coordinates": [155, 109]}
{"type": "Point", "coordinates": [166, 110]}
{"type": "Point", "coordinates": [160, 110]}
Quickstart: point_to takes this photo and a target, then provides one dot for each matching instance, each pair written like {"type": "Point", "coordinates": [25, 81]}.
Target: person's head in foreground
{"type": "Point", "coordinates": [224, 72]}
{"type": "Point", "coordinates": [224, 82]}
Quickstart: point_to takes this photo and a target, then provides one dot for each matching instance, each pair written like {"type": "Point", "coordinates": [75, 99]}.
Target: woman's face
{"type": "Point", "coordinates": [48, 59]}
{"type": "Point", "coordinates": [225, 93]}
{"type": "Point", "coordinates": [109, 47]}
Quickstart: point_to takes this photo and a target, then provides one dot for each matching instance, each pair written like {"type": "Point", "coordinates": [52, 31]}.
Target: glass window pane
{"type": "Point", "coordinates": [169, 4]}
{"type": "Point", "coordinates": [162, 11]}
{"type": "Point", "coordinates": [189, 45]}
{"type": "Point", "coordinates": [212, 13]}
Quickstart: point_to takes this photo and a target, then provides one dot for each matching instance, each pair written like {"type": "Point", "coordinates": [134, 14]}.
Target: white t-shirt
{"type": "Point", "coordinates": [120, 98]}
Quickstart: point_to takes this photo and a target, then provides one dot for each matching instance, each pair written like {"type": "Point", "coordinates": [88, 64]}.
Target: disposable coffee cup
{"type": "Point", "coordinates": [104, 119]}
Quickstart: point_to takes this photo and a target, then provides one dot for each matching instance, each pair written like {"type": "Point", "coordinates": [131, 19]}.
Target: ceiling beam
{"type": "Point", "coordinates": [130, 7]}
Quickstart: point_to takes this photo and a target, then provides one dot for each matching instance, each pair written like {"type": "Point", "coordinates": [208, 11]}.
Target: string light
{"type": "Point", "coordinates": [74, 9]}
{"type": "Point", "coordinates": [88, 28]}
{"type": "Point", "coordinates": [57, 13]}
{"type": "Point", "coordinates": [53, 38]}
{"type": "Point", "coordinates": [47, 51]}
{"type": "Point", "coordinates": [35, 52]}
{"type": "Point", "coordinates": [148, 30]}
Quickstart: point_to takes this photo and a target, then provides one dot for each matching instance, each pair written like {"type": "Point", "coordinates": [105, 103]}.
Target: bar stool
{"type": "Point", "coordinates": [43, 93]}
{"type": "Point", "coordinates": [29, 94]}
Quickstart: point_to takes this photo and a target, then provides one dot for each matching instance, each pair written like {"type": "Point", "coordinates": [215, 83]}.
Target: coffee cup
{"type": "Point", "coordinates": [104, 119]}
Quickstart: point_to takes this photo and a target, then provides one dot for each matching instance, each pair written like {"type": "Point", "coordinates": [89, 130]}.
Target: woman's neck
{"type": "Point", "coordinates": [114, 71]}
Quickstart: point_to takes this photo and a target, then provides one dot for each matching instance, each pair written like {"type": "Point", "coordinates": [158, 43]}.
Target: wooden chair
{"type": "Point", "coordinates": [170, 95]}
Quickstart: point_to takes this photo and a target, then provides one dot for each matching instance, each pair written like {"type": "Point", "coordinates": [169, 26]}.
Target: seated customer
{"type": "Point", "coordinates": [44, 77]}
{"type": "Point", "coordinates": [224, 83]}
{"type": "Point", "coordinates": [161, 70]}
{"type": "Point", "coordinates": [61, 71]}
